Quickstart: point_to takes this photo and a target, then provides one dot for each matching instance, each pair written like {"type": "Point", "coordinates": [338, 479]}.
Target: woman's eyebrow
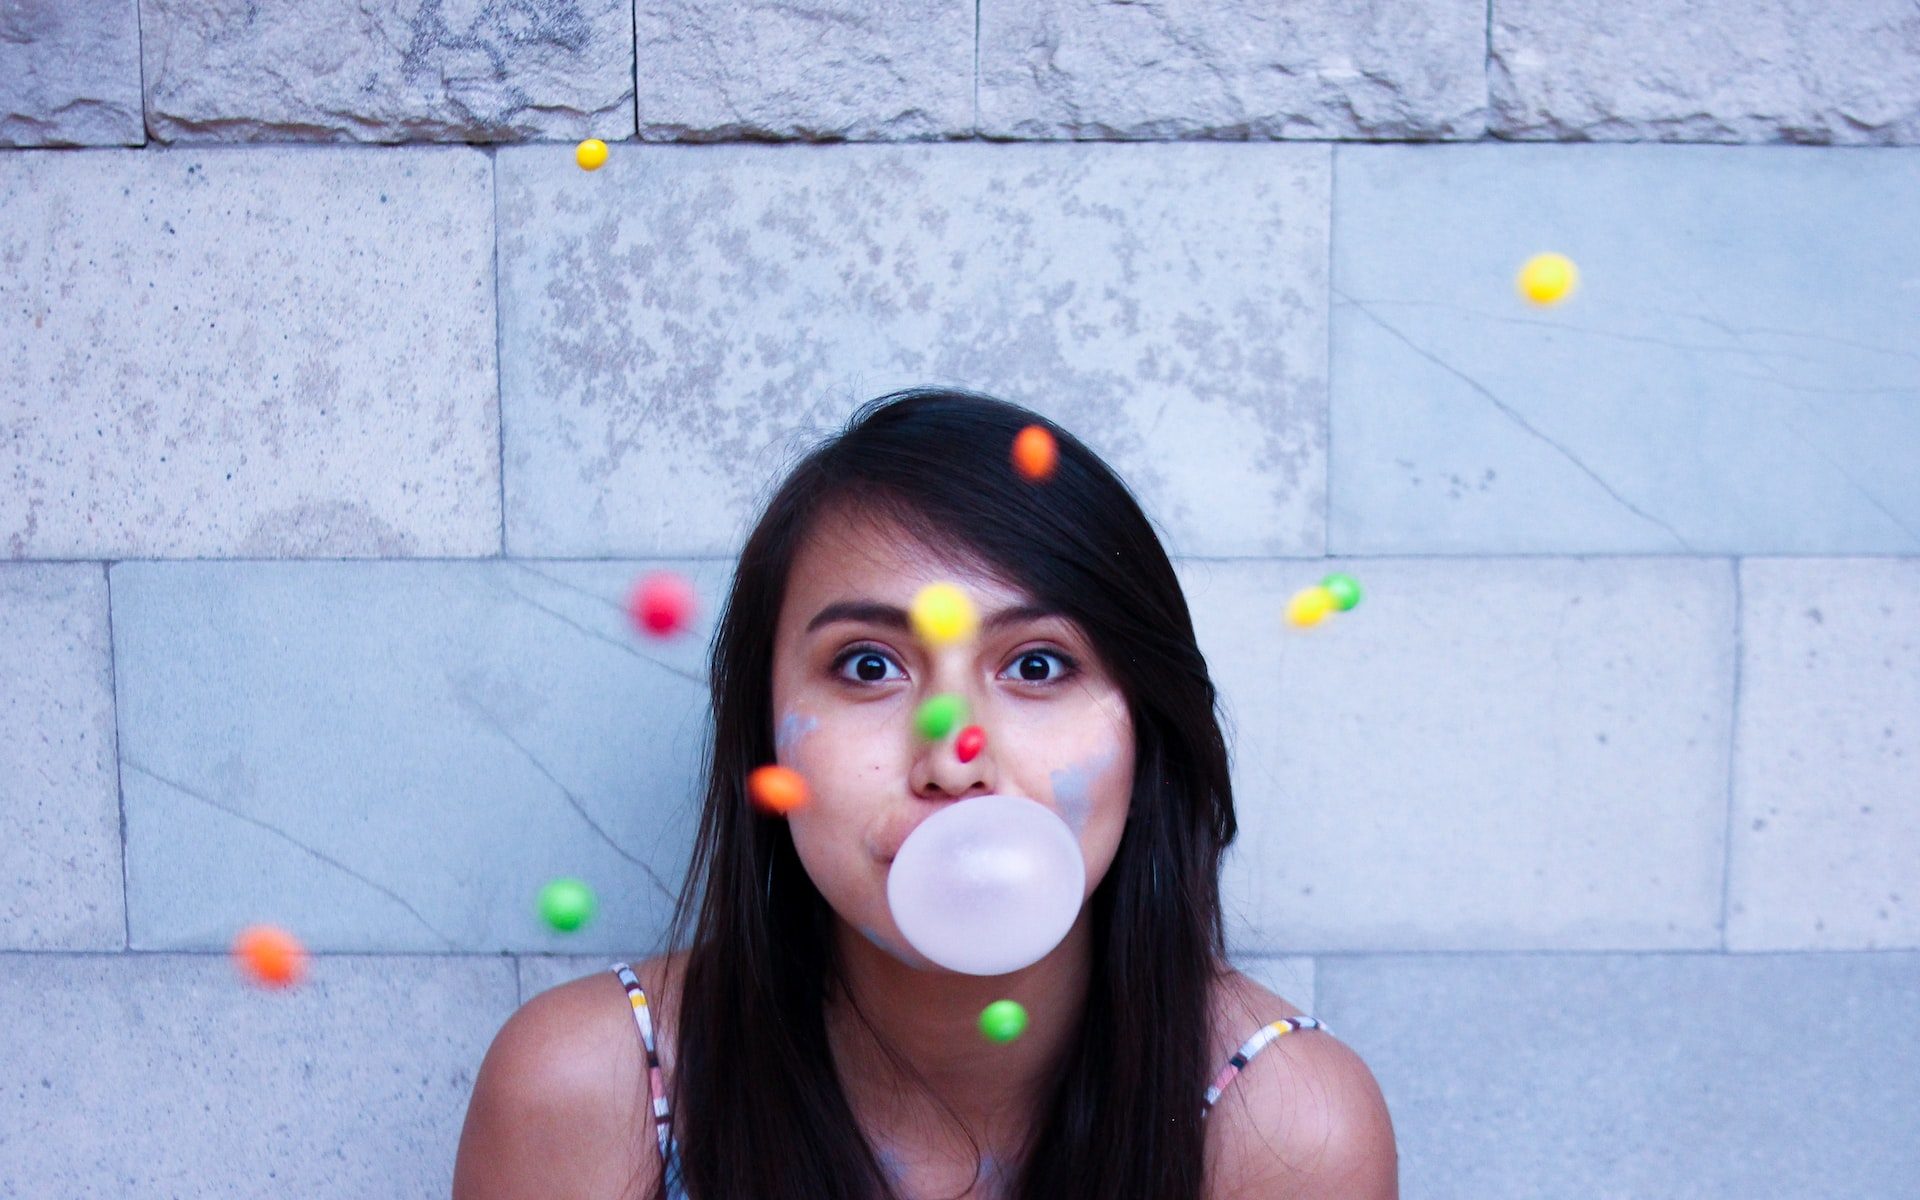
{"type": "Point", "coordinates": [872, 612]}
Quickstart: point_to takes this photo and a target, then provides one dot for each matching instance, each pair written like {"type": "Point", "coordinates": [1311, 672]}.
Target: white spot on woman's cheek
{"type": "Point", "coordinates": [793, 727]}
{"type": "Point", "coordinates": [1073, 789]}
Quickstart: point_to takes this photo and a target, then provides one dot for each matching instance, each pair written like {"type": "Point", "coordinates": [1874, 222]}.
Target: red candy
{"type": "Point", "coordinates": [662, 604]}
{"type": "Point", "coordinates": [970, 743]}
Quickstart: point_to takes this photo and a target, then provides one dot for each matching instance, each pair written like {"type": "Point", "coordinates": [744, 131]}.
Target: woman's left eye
{"type": "Point", "coordinates": [1041, 666]}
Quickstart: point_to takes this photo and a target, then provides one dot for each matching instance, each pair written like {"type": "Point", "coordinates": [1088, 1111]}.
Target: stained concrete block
{"type": "Point", "coordinates": [418, 70]}
{"type": "Point", "coordinates": [539, 972]}
{"type": "Point", "coordinates": [1503, 754]}
{"type": "Point", "coordinates": [1576, 1077]}
{"type": "Point", "coordinates": [165, 1074]}
{"type": "Point", "coordinates": [248, 353]}
{"type": "Point", "coordinates": [70, 73]}
{"type": "Point", "coordinates": [60, 880]}
{"type": "Point", "coordinates": [1825, 850]}
{"type": "Point", "coordinates": [714, 70]}
{"type": "Point", "coordinates": [1735, 373]}
{"type": "Point", "coordinates": [679, 327]}
{"type": "Point", "coordinates": [1673, 71]}
{"type": "Point", "coordinates": [1092, 69]}
{"type": "Point", "coordinates": [399, 756]}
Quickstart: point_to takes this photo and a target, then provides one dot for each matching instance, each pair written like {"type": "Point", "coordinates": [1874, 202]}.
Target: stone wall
{"type": "Point", "coordinates": [339, 408]}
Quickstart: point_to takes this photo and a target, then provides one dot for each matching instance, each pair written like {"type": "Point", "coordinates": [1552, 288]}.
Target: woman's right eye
{"type": "Point", "coordinates": [865, 665]}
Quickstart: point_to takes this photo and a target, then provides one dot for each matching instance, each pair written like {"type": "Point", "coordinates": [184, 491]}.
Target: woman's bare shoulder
{"type": "Point", "coordinates": [1304, 1117]}
{"type": "Point", "coordinates": [562, 1095]}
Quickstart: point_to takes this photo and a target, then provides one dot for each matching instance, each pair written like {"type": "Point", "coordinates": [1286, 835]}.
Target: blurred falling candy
{"type": "Point", "coordinates": [1003, 1020]}
{"type": "Point", "coordinates": [1344, 589]}
{"type": "Point", "coordinates": [938, 716]}
{"type": "Point", "coordinates": [942, 614]}
{"type": "Point", "coordinates": [1547, 278]}
{"type": "Point", "coordinates": [591, 154]}
{"type": "Point", "coordinates": [988, 885]}
{"type": "Point", "coordinates": [970, 743]}
{"type": "Point", "coordinates": [662, 604]}
{"type": "Point", "coordinates": [777, 789]}
{"type": "Point", "coordinates": [567, 904]}
{"type": "Point", "coordinates": [1309, 606]}
{"type": "Point", "coordinates": [269, 955]}
{"type": "Point", "coordinates": [1035, 453]}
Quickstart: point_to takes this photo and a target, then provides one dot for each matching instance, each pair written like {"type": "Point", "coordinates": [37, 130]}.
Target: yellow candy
{"type": "Point", "coordinates": [1310, 606]}
{"type": "Point", "coordinates": [1548, 278]}
{"type": "Point", "coordinates": [942, 613]}
{"type": "Point", "coordinates": [591, 154]}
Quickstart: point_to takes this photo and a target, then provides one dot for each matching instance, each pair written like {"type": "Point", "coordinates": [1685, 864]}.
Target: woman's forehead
{"type": "Point", "coordinates": [860, 557]}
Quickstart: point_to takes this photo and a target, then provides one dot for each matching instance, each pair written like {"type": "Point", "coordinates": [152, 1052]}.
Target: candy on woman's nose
{"type": "Point", "coordinates": [970, 743]}
{"type": "Point", "coordinates": [937, 717]}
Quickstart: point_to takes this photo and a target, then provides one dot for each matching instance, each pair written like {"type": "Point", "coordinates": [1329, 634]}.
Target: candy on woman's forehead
{"type": "Point", "coordinates": [567, 904]}
{"type": "Point", "coordinates": [270, 956]}
{"type": "Point", "coordinates": [777, 789]}
{"type": "Point", "coordinates": [988, 885]}
{"type": "Point", "coordinates": [942, 614]}
{"type": "Point", "coordinates": [937, 717]}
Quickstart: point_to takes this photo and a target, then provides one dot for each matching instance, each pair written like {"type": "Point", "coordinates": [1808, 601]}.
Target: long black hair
{"type": "Point", "coordinates": [758, 1107]}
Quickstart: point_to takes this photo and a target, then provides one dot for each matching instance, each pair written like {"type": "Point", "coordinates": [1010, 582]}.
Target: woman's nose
{"type": "Point", "coordinates": [939, 772]}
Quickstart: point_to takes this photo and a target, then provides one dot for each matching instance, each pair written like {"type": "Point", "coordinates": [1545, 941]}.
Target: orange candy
{"type": "Point", "coordinates": [271, 956]}
{"type": "Point", "coordinates": [1034, 453]}
{"type": "Point", "coordinates": [777, 789]}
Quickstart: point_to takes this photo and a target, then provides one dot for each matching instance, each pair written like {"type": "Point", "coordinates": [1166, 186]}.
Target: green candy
{"type": "Point", "coordinates": [567, 904]}
{"type": "Point", "coordinates": [1345, 589]}
{"type": "Point", "coordinates": [939, 716]}
{"type": "Point", "coordinates": [1003, 1020]}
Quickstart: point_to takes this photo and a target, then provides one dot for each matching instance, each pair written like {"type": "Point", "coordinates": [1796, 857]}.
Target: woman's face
{"type": "Point", "coordinates": [848, 673]}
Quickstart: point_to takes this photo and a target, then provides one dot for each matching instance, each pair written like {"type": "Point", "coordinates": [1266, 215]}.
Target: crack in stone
{"type": "Point", "coordinates": [473, 702]}
{"type": "Point", "coordinates": [281, 833]}
{"type": "Point", "coordinates": [689, 676]}
{"type": "Point", "coordinates": [1515, 417]}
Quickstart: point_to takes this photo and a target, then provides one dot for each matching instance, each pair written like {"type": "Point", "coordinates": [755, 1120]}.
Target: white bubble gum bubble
{"type": "Point", "coordinates": [988, 885]}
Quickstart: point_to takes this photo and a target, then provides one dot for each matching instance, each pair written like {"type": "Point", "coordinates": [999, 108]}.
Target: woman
{"type": "Point", "coordinates": [799, 1047]}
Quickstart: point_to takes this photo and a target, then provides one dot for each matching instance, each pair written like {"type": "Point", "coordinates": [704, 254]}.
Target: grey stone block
{"type": "Point", "coordinates": [418, 70]}
{"type": "Point", "coordinates": [171, 1075]}
{"type": "Point", "coordinates": [60, 870]}
{"type": "Point", "coordinates": [722, 70]}
{"type": "Point", "coordinates": [399, 756]}
{"type": "Point", "coordinates": [258, 353]}
{"type": "Point", "coordinates": [1674, 71]}
{"type": "Point", "coordinates": [1619, 1077]}
{"type": "Point", "coordinates": [1292, 979]}
{"type": "Point", "coordinates": [680, 326]}
{"type": "Point", "coordinates": [1735, 374]}
{"type": "Point", "coordinates": [1826, 806]}
{"type": "Point", "coordinates": [70, 73]}
{"type": "Point", "coordinates": [1496, 754]}
{"type": "Point", "coordinates": [1092, 69]}
{"type": "Point", "coordinates": [539, 972]}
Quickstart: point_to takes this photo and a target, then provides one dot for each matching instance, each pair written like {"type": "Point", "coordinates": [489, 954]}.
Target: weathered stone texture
{"type": "Point", "coordinates": [416, 70]}
{"type": "Point", "coordinates": [682, 325]}
{"type": "Point", "coordinates": [715, 70]}
{"type": "Point", "coordinates": [258, 352]}
{"type": "Point", "coordinates": [1825, 843]}
{"type": "Point", "coordinates": [60, 881]}
{"type": "Point", "coordinates": [70, 73]}
{"type": "Point", "coordinates": [1404, 69]}
{"type": "Point", "coordinates": [1682, 71]}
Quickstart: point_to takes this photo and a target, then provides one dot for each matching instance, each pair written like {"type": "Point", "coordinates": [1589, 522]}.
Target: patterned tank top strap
{"type": "Point", "coordinates": [656, 1084]}
{"type": "Point", "coordinates": [1267, 1035]}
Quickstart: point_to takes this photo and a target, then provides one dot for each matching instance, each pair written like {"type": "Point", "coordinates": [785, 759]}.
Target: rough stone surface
{"type": "Point", "coordinates": [676, 330]}
{"type": "Point", "coordinates": [1826, 803]}
{"type": "Point", "coordinates": [1578, 1076]}
{"type": "Point", "coordinates": [1736, 374]}
{"type": "Point", "coordinates": [170, 1075]}
{"type": "Point", "coordinates": [1181, 69]}
{"type": "Point", "coordinates": [1517, 754]}
{"type": "Point", "coordinates": [1681, 71]}
{"type": "Point", "coordinates": [716, 70]}
{"type": "Point", "coordinates": [60, 883]}
{"type": "Point", "coordinates": [251, 353]}
{"type": "Point", "coordinates": [415, 70]}
{"type": "Point", "coordinates": [70, 73]}
{"type": "Point", "coordinates": [399, 756]}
